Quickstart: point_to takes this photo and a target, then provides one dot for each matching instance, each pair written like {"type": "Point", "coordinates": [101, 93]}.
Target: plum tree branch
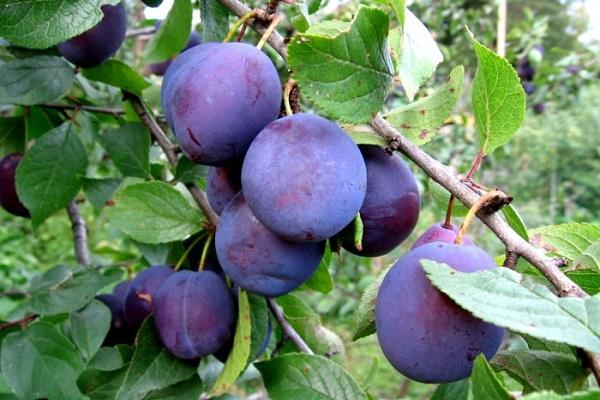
{"type": "Point", "coordinates": [287, 329]}
{"type": "Point", "coordinates": [98, 110]}
{"type": "Point", "coordinates": [80, 234]}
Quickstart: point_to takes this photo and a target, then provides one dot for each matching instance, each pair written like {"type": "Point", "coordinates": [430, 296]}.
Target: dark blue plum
{"type": "Point", "coordinates": [422, 332]}
{"type": "Point", "coordinates": [160, 68]}
{"type": "Point", "coordinates": [391, 207]}
{"type": "Point", "coordinates": [97, 45]}
{"type": "Point", "coordinates": [9, 200]}
{"type": "Point", "coordinates": [119, 332]}
{"type": "Point", "coordinates": [529, 87]}
{"type": "Point", "coordinates": [142, 294]}
{"type": "Point", "coordinates": [223, 183]}
{"type": "Point", "coordinates": [304, 178]}
{"type": "Point", "coordinates": [258, 260]}
{"type": "Point", "coordinates": [440, 233]}
{"type": "Point", "coordinates": [194, 314]}
{"type": "Point", "coordinates": [218, 99]}
{"type": "Point", "coordinates": [539, 108]}
{"type": "Point", "coordinates": [121, 290]}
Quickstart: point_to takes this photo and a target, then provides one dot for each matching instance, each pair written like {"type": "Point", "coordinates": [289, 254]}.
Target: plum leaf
{"type": "Point", "coordinates": [42, 24]}
{"type": "Point", "coordinates": [515, 221]}
{"type": "Point", "coordinates": [344, 68]}
{"type": "Point", "coordinates": [366, 308]}
{"type": "Point", "coordinates": [99, 191]}
{"type": "Point", "coordinates": [89, 326]}
{"type": "Point", "coordinates": [118, 74]}
{"type": "Point", "coordinates": [587, 279]}
{"type": "Point", "coordinates": [186, 390]}
{"type": "Point", "coordinates": [12, 135]}
{"type": "Point", "coordinates": [545, 395]}
{"type": "Point", "coordinates": [215, 20]}
{"type": "Point", "coordinates": [569, 240]}
{"type": "Point", "coordinates": [458, 390]}
{"type": "Point", "coordinates": [172, 35]}
{"type": "Point", "coordinates": [129, 148]}
{"type": "Point", "coordinates": [503, 297]}
{"type": "Point", "coordinates": [321, 280]}
{"type": "Point", "coordinates": [484, 382]}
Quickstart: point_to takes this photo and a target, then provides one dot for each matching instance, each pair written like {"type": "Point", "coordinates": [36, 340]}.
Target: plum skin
{"type": "Point", "coordinates": [304, 178]}
{"type": "Point", "coordinates": [218, 99]}
{"type": "Point", "coordinates": [160, 68]}
{"type": "Point", "coordinates": [222, 184]}
{"type": "Point", "coordinates": [98, 44]}
{"type": "Point", "coordinates": [139, 302]}
{"type": "Point", "coordinates": [194, 314]}
{"type": "Point", "coordinates": [422, 332]}
{"type": "Point", "coordinates": [440, 233]}
{"type": "Point", "coordinates": [9, 200]}
{"type": "Point", "coordinates": [391, 207]}
{"type": "Point", "coordinates": [258, 260]}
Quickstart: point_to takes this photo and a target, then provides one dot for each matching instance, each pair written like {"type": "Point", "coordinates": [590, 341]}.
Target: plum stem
{"type": "Point", "coordinates": [359, 229]}
{"type": "Point", "coordinates": [481, 203]}
{"type": "Point", "coordinates": [276, 20]}
{"type": "Point", "coordinates": [287, 329]}
{"type": "Point", "coordinates": [241, 21]}
{"type": "Point", "coordinates": [474, 167]}
{"type": "Point", "coordinates": [187, 251]}
{"type": "Point", "coordinates": [205, 252]}
{"type": "Point", "coordinates": [448, 221]}
{"type": "Point", "coordinates": [287, 92]}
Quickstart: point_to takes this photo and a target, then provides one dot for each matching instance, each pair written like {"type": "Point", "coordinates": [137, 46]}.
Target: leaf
{"type": "Point", "coordinates": [420, 120]}
{"type": "Point", "coordinates": [320, 280]}
{"type": "Point", "coordinates": [129, 148]}
{"type": "Point", "coordinates": [99, 191]}
{"type": "Point", "coordinates": [484, 383]}
{"type": "Point", "coordinates": [41, 24]}
{"type": "Point", "coordinates": [458, 390]}
{"type": "Point", "coordinates": [34, 80]}
{"type": "Point", "coordinates": [89, 327]}
{"type": "Point", "coordinates": [399, 9]}
{"type": "Point", "coordinates": [172, 36]}
{"type": "Point", "coordinates": [588, 280]}
{"type": "Point", "coordinates": [41, 120]}
{"type": "Point", "coordinates": [152, 366]}
{"type": "Point", "coordinates": [40, 362]}
{"type": "Point", "coordinates": [416, 53]}
{"type": "Point", "coordinates": [154, 212]}
{"type": "Point", "coordinates": [215, 20]}
{"type": "Point", "coordinates": [238, 357]}
{"type": "Point", "coordinates": [302, 376]}
{"type": "Point", "coordinates": [188, 171]}
{"type": "Point", "coordinates": [12, 135]}
{"type": "Point", "coordinates": [344, 68]}
{"type": "Point", "coordinates": [498, 99]}
{"type": "Point", "coordinates": [47, 175]}
{"type": "Point", "coordinates": [101, 385]}
{"type": "Point", "coordinates": [542, 370]}
{"type": "Point", "coordinates": [503, 297]}
{"type": "Point", "coordinates": [590, 258]}
{"type": "Point", "coordinates": [515, 221]}
{"type": "Point", "coordinates": [186, 390]}
{"type": "Point", "coordinates": [261, 325]}
{"type": "Point", "coordinates": [566, 240]}
{"type": "Point", "coordinates": [366, 309]}
{"type": "Point", "coordinates": [364, 134]}
{"type": "Point", "coordinates": [106, 359]}
{"type": "Point", "coordinates": [590, 395]}
{"type": "Point", "coordinates": [118, 74]}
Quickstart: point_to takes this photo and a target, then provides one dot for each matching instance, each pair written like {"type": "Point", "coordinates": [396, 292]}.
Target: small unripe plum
{"type": "Point", "coordinates": [160, 68]}
{"type": "Point", "coordinates": [423, 333]}
{"type": "Point", "coordinates": [258, 260]}
{"type": "Point", "coordinates": [218, 99]}
{"type": "Point", "coordinates": [222, 184]}
{"type": "Point", "coordinates": [391, 207]}
{"type": "Point", "coordinates": [9, 200]}
{"type": "Point", "coordinates": [539, 108]}
{"type": "Point", "coordinates": [97, 45]}
{"type": "Point", "coordinates": [142, 292]}
{"type": "Point", "coordinates": [304, 178]}
{"type": "Point", "coordinates": [440, 233]}
{"type": "Point", "coordinates": [194, 314]}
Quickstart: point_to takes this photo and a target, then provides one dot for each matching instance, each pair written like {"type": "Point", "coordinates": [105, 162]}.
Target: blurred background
{"type": "Point", "coordinates": [551, 167]}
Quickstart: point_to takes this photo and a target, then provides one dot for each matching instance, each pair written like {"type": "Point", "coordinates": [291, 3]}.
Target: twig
{"type": "Point", "coordinates": [140, 31]}
{"type": "Point", "coordinates": [287, 329]}
{"type": "Point", "coordinates": [80, 238]}
{"type": "Point", "coordinates": [510, 260]}
{"type": "Point", "coordinates": [93, 109]}
{"type": "Point", "coordinates": [13, 293]}
{"type": "Point", "coordinates": [21, 322]}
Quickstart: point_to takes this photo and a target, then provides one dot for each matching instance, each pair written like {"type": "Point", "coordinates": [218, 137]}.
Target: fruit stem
{"type": "Point", "coordinates": [205, 251]}
{"type": "Point", "coordinates": [187, 251]}
{"type": "Point", "coordinates": [482, 201]}
{"type": "Point", "coordinates": [270, 29]}
{"type": "Point", "coordinates": [358, 232]}
{"type": "Point", "coordinates": [476, 164]}
{"type": "Point", "coordinates": [238, 23]}
{"type": "Point", "coordinates": [287, 91]}
{"type": "Point", "coordinates": [448, 221]}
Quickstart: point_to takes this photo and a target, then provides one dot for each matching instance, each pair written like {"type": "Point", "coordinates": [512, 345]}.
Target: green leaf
{"type": "Point", "coordinates": [186, 390]}
{"type": "Point", "coordinates": [485, 384]}
{"type": "Point", "coordinates": [503, 297]}
{"type": "Point", "coordinates": [458, 390]}
{"type": "Point", "coordinates": [498, 99]}
{"type": "Point", "coordinates": [590, 258]}
{"type": "Point", "coordinates": [188, 171]}
{"type": "Point", "coordinates": [99, 191]}
{"type": "Point", "coordinates": [40, 362]}
{"type": "Point", "coordinates": [118, 74]}
{"type": "Point", "coordinates": [238, 357]}
{"type": "Point", "coordinates": [420, 120]}
{"type": "Point", "coordinates": [215, 20]}
{"type": "Point", "coordinates": [47, 175]}
{"type": "Point", "coordinates": [154, 212]}
{"type": "Point", "coordinates": [542, 370]}
{"type": "Point", "coordinates": [588, 280]}
{"type": "Point", "coordinates": [260, 324]}
{"type": "Point", "coordinates": [41, 120]}
{"type": "Point", "coordinates": [320, 280]}
{"type": "Point", "coordinates": [366, 309]}
{"type": "Point", "coordinates": [101, 385]}
{"type": "Point", "coordinates": [590, 395]}
{"type": "Point", "coordinates": [41, 24]}
{"type": "Point", "coordinates": [12, 135]}
{"type": "Point", "coordinates": [344, 68]}
{"type": "Point", "coordinates": [566, 240]}
{"type": "Point", "coordinates": [416, 53]}
{"type": "Point", "coordinates": [106, 359]}
{"type": "Point", "coordinates": [129, 148]}
{"type": "Point", "coordinates": [89, 326]}
{"type": "Point", "coordinates": [34, 80]}
{"type": "Point", "coordinates": [399, 9]}
{"type": "Point", "coordinates": [172, 36]}
{"type": "Point", "coordinates": [515, 221]}
{"type": "Point", "coordinates": [302, 376]}
{"type": "Point", "coordinates": [152, 366]}
{"type": "Point", "coordinates": [364, 134]}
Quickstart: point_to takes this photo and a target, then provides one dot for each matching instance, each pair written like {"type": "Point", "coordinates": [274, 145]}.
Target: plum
{"type": "Point", "coordinates": [223, 183]}
{"type": "Point", "coordinates": [539, 108]}
{"type": "Point", "coordinates": [422, 332]}
{"type": "Point", "coordinates": [391, 207]}
{"type": "Point", "coordinates": [218, 98]}
{"type": "Point", "coordinates": [160, 68]}
{"type": "Point", "coordinates": [258, 260]}
{"type": "Point", "coordinates": [9, 200]}
{"type": "Point", "coordinates": [98, 44]}
{"type": "Point", "coordinates": [142, 292]}
{"type": "Point", "coordinates": [194, 314]}
{"type": "Point", "coordinates": [529, 87]}
{"type": "Point", "coordinates": [440, 233]}
{"type": "Point", "coordinates": [119, 332]}
{"type": "Point", "coordinates": [304, 178]}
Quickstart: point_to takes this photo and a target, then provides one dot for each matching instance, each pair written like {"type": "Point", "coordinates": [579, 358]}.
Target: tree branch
{"type": "Point", "coordinates": [140, 31]}
{"type": "Point", "coordinates": [23, 322]}
{"type": "Point", "coordinates": [82, 252]}
{"type": "Point", "coordinates": [287, 329]}
{"type": "Point", "coordinates": [98, 110]}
